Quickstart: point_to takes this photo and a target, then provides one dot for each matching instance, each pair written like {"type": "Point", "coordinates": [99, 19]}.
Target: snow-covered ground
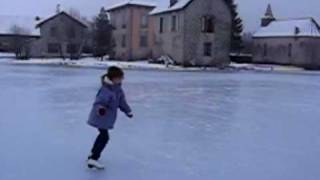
{"type": "Point", "coordinates": [144, 65]}
{"type": "Point", "coordinates": [187, 126]}
{"type": "Point", "coordinates": [93, 63]}
{"type": "Point", "coordinates": [5, 56]}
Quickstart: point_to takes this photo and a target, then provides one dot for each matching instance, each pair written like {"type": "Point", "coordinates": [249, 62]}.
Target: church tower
{"type": "Point", "coordinates": [268, 17]}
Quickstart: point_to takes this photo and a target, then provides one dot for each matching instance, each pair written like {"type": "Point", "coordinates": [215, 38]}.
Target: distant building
{"type": "Point", "coordinates": [133, 31]}
{"type": "Point", "coordinates": [62, 35]}
{"type": "Point", "coordinates": [293, 41]}
{"type": "Point", "coordinates": [194, 32]}
{"type": "Point", "coordinates": [17, 30]}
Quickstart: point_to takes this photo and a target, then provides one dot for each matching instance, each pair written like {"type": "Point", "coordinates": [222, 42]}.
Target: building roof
{"type": "Point", "coordinates": [299, 27]}
{"type": "Point", "coordinates": [81, 23]}
{"type": "Point", "coordinates": [27, 23]}
{"type": "Point", "coordinates": [132, 3]}
{"type": "Point", "coordinates": [181, 4]}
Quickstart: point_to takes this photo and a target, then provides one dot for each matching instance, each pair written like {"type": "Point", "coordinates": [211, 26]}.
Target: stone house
{"type": "Point", "coordinates": [292, 41]}
{"type": "Point", "coordinates": [62, 35]}
{"type": "Point", "coordinates": [133, 30]}
{"type": "Point", "coordinates": [193, 32]}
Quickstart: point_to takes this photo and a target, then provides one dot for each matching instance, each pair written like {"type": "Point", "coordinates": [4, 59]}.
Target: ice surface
{"type": "Point", "coordinates": [187, 125]}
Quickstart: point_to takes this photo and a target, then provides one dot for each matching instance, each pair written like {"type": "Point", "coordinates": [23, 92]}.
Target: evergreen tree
{"type": "Point", "coordinates": [237, 27]}
{"type": "Point", "coordinates": [102, 35]}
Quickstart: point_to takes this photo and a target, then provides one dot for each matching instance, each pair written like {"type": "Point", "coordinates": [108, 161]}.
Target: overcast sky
{"type": "Point", "coordinates": [250, 10]}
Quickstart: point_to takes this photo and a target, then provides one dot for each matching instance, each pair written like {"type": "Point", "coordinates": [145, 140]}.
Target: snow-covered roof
{"type": "Point", "coordinates": [77, 20]}
{"type": "Point", "coordinates": [178, 6]}
{"type": "Point", "coordinates": [132, 3]}
{"type": "Point", "coordinates": [300, 27]}
{"type": "Point", "coordinates": [27, 23]}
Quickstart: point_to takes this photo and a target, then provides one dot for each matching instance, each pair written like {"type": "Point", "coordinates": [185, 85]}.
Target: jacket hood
{"type": "Point", "coordinates": [106, 82]}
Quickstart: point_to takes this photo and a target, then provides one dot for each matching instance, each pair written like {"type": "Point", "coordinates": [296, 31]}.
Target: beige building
{"type": "Point", "coordinates": [133, 31]}
{"type": "Point", "coordinates": [287, 41]}
{"type": "Point", "coordinates": [194, 32]}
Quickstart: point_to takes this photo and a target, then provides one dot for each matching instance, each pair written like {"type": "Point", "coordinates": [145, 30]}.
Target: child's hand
{"type": "Point", "coordinates": [130, 115]}
{"type": "Point", "coordinates": [102, 111]}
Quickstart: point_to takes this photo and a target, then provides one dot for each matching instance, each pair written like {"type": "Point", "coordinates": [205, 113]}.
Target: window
{"type": "Point", "coordinates": [207, 47]}
{"type": "Point", "coordinates": [144, 40]}
{"type": "Point", "coordinates": [124, 22]}
{"type": "Point", "coordinates": [207, 23]}
{"type": "Point", "coordinates": [174, 24]}
{"type": "Point", "coordinates": [53, 48]}
{"type": "Point", "coordinates": [144, 21]}
{"type": "Point", "coordinates": [265, 50]}
{"type": "Point", "coordinates": [71, 32]}
{"type": "Point", "coordinates": [72, 48]}
{"type": "Point", "coordinates": [54, 32]}
{"type": "Point", "coordinates": [124, 41]}
{"type": "Point", "coordinates": [161, 24]}
{"type": "Point", "coordinates": [290, 50]}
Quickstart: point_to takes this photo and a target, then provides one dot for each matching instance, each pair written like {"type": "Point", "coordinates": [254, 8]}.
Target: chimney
{"type": "Point", "coordinates": [268, 17]}
{"type": "Point", "coordinates": [37, 18]}
{"type": "Point", "coordinates": [173, 2]}
{"type": "Point", "coordinates": [58, 8]}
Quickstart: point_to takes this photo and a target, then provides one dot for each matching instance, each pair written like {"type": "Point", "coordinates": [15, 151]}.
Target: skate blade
{"type": "Point", "coordinates": [94, 167]}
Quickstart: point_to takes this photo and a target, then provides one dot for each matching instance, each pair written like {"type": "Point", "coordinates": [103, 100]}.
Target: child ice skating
{"type": "Point", "coordinates": [103, 115]}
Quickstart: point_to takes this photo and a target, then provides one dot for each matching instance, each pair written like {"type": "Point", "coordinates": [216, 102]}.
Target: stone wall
{"type": "Point", "coordinates": [195, 38]}
{"type": "Point", "coordinates": [169, 43]}
{"type": "Point", "coordinates": [186, 46]}
{"type": "Point", "coordinates": [62, 24]}
{"type": "Point", "coordinates": [304, 51]}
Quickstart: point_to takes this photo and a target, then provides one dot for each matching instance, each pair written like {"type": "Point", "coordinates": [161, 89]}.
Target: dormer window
{"type": "Point", "coordinates": [144, 21]}
{"type": "Point", "coordinates": [71, 33]}
{"type": "Point", "coordinates": [208, 24]}
{"type": "Point", "coordinates": [53, 32]}
{"type": "Point", "coordinates": [265, 50]}
{"type": "Point", "coordinates": [124, 22]}
{"type": "Point", "coordinates": [173, 23]}
{"type": "Point", "coordinates": [161, 24]}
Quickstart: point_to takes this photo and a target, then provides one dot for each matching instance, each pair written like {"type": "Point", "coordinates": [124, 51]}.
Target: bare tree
{"type": "Point", "coordinates": [19, 43]}
{"type": "Point", "coordinates": [75, 13]}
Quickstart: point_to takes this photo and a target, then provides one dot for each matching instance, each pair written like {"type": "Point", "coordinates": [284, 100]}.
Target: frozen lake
{"type": "Point", "coordinates": [187, 126]}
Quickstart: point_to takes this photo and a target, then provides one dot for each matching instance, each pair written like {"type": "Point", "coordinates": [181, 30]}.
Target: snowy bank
{"type": "Point", "coordinates": [95, 63]}
{"type": "Point", "coordinates": [6, 55]}
{"type": "Point", "coordinates": [145, 65]}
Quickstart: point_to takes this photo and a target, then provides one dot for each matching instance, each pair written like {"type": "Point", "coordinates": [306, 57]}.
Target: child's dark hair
{"type": "Point", "coordinates": [114, 72]}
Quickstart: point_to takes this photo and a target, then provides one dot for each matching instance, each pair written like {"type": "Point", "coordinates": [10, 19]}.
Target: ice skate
{"type": "Point", "coordinates": [95, 164]}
